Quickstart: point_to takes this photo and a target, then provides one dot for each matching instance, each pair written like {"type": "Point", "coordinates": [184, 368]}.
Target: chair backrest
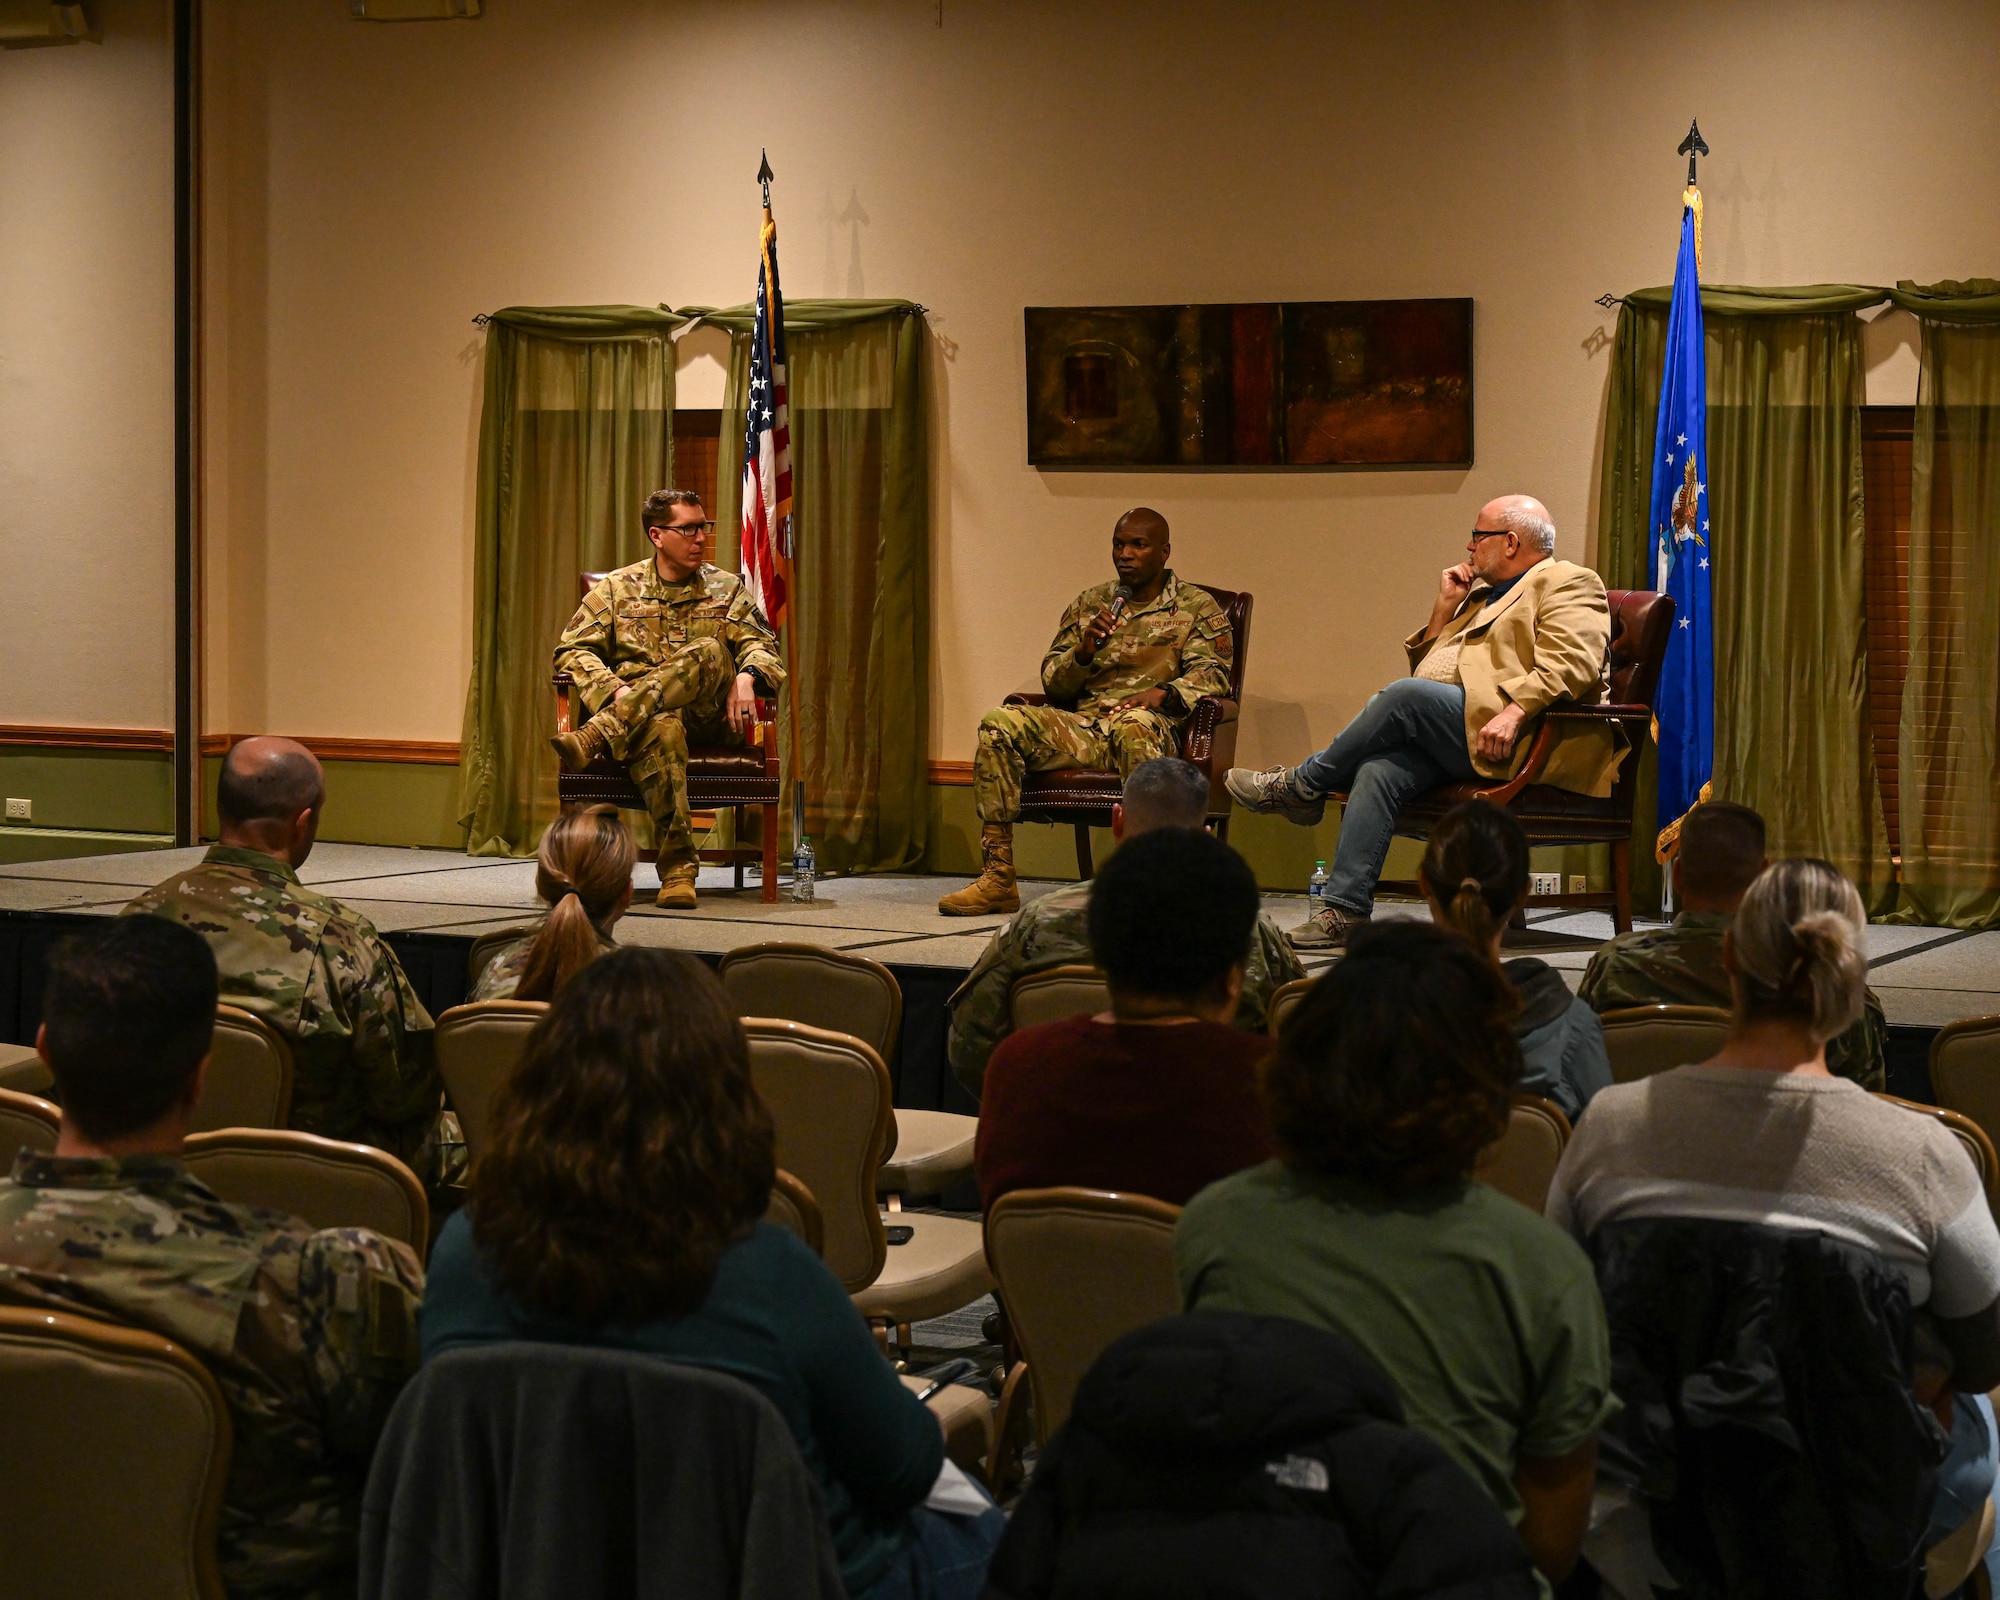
{"type": "Point", "coordinates": [819, 987]}
{"type": "Point", "coordinates": [1642, 620]}
{"type": "Point", "coordinates": [1521, 1163]}
{"type": "Point", "coordinates": [1971, 1137]}
{"type": "Point", "coordinates": [249, 1082]}
{"type": "Point", "coordinates": [1237, 604]}
{"type": "Point", "coordinates": [477, 1047]}
{"type": "Point", "coordinates": [22, 1069]}
{"type": "Point", "coordinates": [794, 1209]}
{"type": "Point", "coordinates": [120, 1442]}
{"type": "Point", "coordinates": [1965, 1070]}
{"type": "Point", "coordinates": [1055, 995]}
{"type": "Point", "coordinates": [27, 1122]}
{"type": "Point", "coordinates": [486, 947]}
{"type": "Point", "coordinates": [1643, 1040]}
{"type": "Point", "coordinates": [1284, 1001]}
{"type": "Point", "coordinates": [829, 1095]}
{"type": "Point", "coordinates": [1077, 1268]}
{"type": "Point", "coordinates": [323, 1182]}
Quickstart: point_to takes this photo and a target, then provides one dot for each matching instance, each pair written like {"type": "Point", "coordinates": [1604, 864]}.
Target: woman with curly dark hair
{"type": "Point", "coordinates": [1391, 1077]}
{"type": "Point", "coordinates": [620, 1204]}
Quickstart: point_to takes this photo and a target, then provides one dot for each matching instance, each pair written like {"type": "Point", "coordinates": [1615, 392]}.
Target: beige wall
{"type": "Point", "coordinates": [86, 376]}
{"type": "Point", "coordinates": [371, 187]}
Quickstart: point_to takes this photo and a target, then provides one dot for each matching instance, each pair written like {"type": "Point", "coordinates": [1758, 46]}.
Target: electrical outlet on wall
{"type": "Point", "coordinates": [1578, 883]}
{"type": "Point", "coordinates": [20, 810]}
{"type": "Point", "coordinates": [1546, 883]}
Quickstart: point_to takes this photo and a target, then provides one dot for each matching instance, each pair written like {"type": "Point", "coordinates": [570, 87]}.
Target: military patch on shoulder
{"type": "Point", "coordinates": [1300, 1472]}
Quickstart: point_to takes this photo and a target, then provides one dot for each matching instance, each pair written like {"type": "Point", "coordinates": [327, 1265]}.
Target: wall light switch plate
{"type": "Point", "coordinates": [1547, 883]}
{"type": "Point", "coordinates": [20, 810]}
{"type": "Point", "coordinates": [1578, 883]}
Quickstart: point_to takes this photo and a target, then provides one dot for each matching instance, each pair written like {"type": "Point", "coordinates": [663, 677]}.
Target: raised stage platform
{"type": "Point", "coordinates": [432, 904]}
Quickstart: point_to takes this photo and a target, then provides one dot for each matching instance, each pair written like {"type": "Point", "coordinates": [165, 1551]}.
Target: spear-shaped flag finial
{"type": "Point", "coordinates": [1693, 145]}
{"type": "Point", "coordinates": [765, 174]}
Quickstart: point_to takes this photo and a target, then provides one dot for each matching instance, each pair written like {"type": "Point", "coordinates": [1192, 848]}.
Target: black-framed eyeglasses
{"type": "Point", "coordinates": [1491, 533]}
{"type": "Point", "coordinates": [687, 530]}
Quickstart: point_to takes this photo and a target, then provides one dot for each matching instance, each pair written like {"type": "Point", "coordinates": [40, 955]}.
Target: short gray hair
{"type": "Point", "coordinates": [1536, 532]}
{"type": "Point", "coordinates": [1165, 792]}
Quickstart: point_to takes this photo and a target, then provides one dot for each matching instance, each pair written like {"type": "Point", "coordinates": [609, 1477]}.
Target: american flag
{"type": "Point", "coordinates": [767, 447]}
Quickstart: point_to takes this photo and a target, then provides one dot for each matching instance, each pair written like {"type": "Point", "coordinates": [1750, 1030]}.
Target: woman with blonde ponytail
{"type": "Point", "coordinates": [1764, 1138]}
{"type": "Point", "coordinates": [583, 871]}
{"type": "Point", "coordinates": [1475, 876]}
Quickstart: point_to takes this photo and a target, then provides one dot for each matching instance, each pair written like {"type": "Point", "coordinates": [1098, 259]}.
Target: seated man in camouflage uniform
{"type": "Point", "coordinates": [1053, 931]}
{"type": "Point", "coordinates": [314, 969]}
{"type": "Point", "coordinates": [665, 651]}
{"type": "Point", "coordinates": [1128, 664]}
{"type": "Point", "coordinates": [309, 1334]}
{"type": "Point", "coordinates": [1721, 853]}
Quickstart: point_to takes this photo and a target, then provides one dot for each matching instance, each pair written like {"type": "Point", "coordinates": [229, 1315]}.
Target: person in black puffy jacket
{"type": "Point", "coordinates": [1220, 1454]}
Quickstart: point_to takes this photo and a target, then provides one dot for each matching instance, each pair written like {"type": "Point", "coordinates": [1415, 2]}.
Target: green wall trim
{"type": "Point", "coordinates": [91, 791]}
{"type": "Point", "coordinates": [375, 802]}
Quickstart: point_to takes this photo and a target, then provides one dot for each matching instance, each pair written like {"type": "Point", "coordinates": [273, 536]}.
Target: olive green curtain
{"type": "Point", "coordinates": [1948, 748]}
{"type": "Point", "coordinates": [576, 431]}
{"type": "Point", "coordinates": [1792, 736]}
{"type": "Point", "coordinates": [858, 642]}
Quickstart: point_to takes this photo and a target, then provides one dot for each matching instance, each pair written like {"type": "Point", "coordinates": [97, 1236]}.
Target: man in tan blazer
{"type": "Point", "coordinates": [1513, 631]}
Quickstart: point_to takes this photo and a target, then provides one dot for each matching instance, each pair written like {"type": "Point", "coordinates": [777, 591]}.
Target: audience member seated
{"type": "Point", "coordinates": [583, 873]}
{"type": "Point", "coordinates": [619, 1205]}
{"type": "Point", "coordinates": [308, 1334]}
{"type": "Point", "coordinates": [1157, 1096]}
{"type": "Point", "coordinates": [1764, 1141]}
{"type": "Point", "coordinates": [1721, 852]}
{"type": "Point", "coordinates": [1392, 1076]}
{"type": "Point", "coordinates": [1475, 876]}
{"type": "Point", "coordinates": [1224, 1454]}
{"type": "Point", "coordinates": [311, 967]}
{"type": "Point", "coordinates": [1053, 931]}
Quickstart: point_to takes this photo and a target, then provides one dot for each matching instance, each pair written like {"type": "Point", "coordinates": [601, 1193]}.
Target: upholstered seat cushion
{"type": "Point", "coordinates": [966, 1416]}
{"type": "Point", "coordinates": [933, 1152]}
{"type": "Point", "coordinates": [942, 1268]}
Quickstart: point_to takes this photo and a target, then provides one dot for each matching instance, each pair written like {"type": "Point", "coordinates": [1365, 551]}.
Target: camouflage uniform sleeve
{"type": "Point", "coordinates": [580, 651]}
{"type": "Point", "coordinates": [1271, 964]}
{"type": "Point", "coordinates": [1063, 676]}
{"type": "Point", "coordinates": [752, 642]}
{"type": "Point", "coordinates": [392, 1032]}
{"type": "Point", "coordinates": [358, 1300]}
{"type": "Point", "coordinates": [1861, 1052]}
{"type": "Point", "coordinates": [979, 1018]}
{"type": "Point", "coordinates": [1592, 989]}
{"type": "Point", "coordinates": [1207, 655]}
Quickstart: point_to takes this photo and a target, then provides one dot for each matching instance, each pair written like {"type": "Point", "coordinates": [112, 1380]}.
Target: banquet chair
{"type": "Point", "coordinates": [477, 1047]}
{"type": "Point", "coordinates": [120, 1443]}
{"type": "Point", "coordinates": [249, 1078]}
{"type": "Point", "coordinates": [1965, 1070]}
{"type": "Point", "coordinates": [27, 1122]}
{"type": "Point", "coordinates": [326, 1183]}
{"type": "Point", "coordinates": [1285, 999]}
{"type": "Point", "coordinates": [23, 1070]}
{"type": "Point", "coordinates": [794, 1209]}
{"type": "Point", "coordinates": [720, 777]}
{"type": "Point", "coordinates": [1083, 797]}
{"type": "Point", "coordinates": [1643, 1040]}
{"type": "Point", "coordinates": [1056, 994]}
{"type": "Point", "coordinates": [929, 1151]}
{"type": "Point", "coordinates": [1521, 1163]}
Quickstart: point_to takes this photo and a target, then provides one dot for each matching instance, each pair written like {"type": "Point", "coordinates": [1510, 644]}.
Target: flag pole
{"type": "Point", "coordinates": [788, 631]}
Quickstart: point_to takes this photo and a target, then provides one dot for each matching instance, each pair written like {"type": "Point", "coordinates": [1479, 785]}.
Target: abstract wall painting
{"type": "Point", "coordinates": [1306, 383]}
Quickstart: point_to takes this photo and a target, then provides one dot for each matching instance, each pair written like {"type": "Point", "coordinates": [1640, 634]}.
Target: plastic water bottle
{"type": "Point", "coordinates": [1316, 889]}
{"type": "Point", "coordinates": [804, 867]}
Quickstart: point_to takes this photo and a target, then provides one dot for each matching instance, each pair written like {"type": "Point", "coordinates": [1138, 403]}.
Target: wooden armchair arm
{"type": "Point", "coordinates": [1545, 739]}
{"type": "Point", "coordinates": [1209, 739]}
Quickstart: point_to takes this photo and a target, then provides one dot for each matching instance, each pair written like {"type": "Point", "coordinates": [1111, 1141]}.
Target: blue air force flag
{"type": "Point", "coordinates": [1684, 708]}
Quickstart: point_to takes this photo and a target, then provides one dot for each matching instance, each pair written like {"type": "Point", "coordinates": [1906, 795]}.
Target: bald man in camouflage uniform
{"type": "Point", "coordinates": [308, 1333]}
{"type": "Point", "coordinates": [312, 967]}
{"type": "Point", "coordinates": [1119, 686]}
{"type": "Point", "coordinates": [1054, 930]}
{"type": "Point", "coordinates": [667, 651]}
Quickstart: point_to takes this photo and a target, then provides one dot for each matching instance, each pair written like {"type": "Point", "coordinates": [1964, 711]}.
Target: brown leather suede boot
{"type": "Point", "coordinates": [577, 750]}
{"type": "Point", "coordinates": [993, 890]}
{"type": "Point", "coordinates": [676, 885]}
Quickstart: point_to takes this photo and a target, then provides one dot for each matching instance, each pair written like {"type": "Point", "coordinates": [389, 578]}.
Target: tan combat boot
{"type": "Point", "coordinates": [993, 890]}
{"type": "Point", "coordinates": [577, 750]}
{"type": "Point", "coordinates": [676, 886]}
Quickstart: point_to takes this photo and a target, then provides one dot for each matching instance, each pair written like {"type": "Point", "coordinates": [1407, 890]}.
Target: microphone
{"type": "Point", "coordinates": [1124, 593]}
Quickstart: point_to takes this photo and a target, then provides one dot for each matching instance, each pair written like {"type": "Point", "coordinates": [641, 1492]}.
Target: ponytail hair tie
{"type": "Point", "coordinates": [1474, 885]}
{"type": "Point", "coordinates": [566, 894]}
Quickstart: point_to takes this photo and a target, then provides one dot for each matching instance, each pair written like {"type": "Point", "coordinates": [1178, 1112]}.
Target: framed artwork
{"type": "Point", "coordinates": [1305, 383]}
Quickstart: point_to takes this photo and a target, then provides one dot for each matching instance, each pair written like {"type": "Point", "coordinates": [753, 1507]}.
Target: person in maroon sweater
{"type": "Point", "coordinates": [1157, 1096]}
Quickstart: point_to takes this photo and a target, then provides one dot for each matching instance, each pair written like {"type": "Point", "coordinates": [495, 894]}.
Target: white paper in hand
{"type": "Point", "coordinates": [956, 1493]}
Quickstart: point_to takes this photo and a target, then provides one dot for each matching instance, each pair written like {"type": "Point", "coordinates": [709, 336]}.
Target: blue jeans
{"type": "Point", "coordinates": [1410, 737]}
{"type": "Point", "coordinates": [946, 1560]}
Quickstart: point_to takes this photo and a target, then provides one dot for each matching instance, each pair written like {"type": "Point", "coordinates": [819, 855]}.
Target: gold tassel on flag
{"type": "Point", "coordinates": [1691, 198]}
